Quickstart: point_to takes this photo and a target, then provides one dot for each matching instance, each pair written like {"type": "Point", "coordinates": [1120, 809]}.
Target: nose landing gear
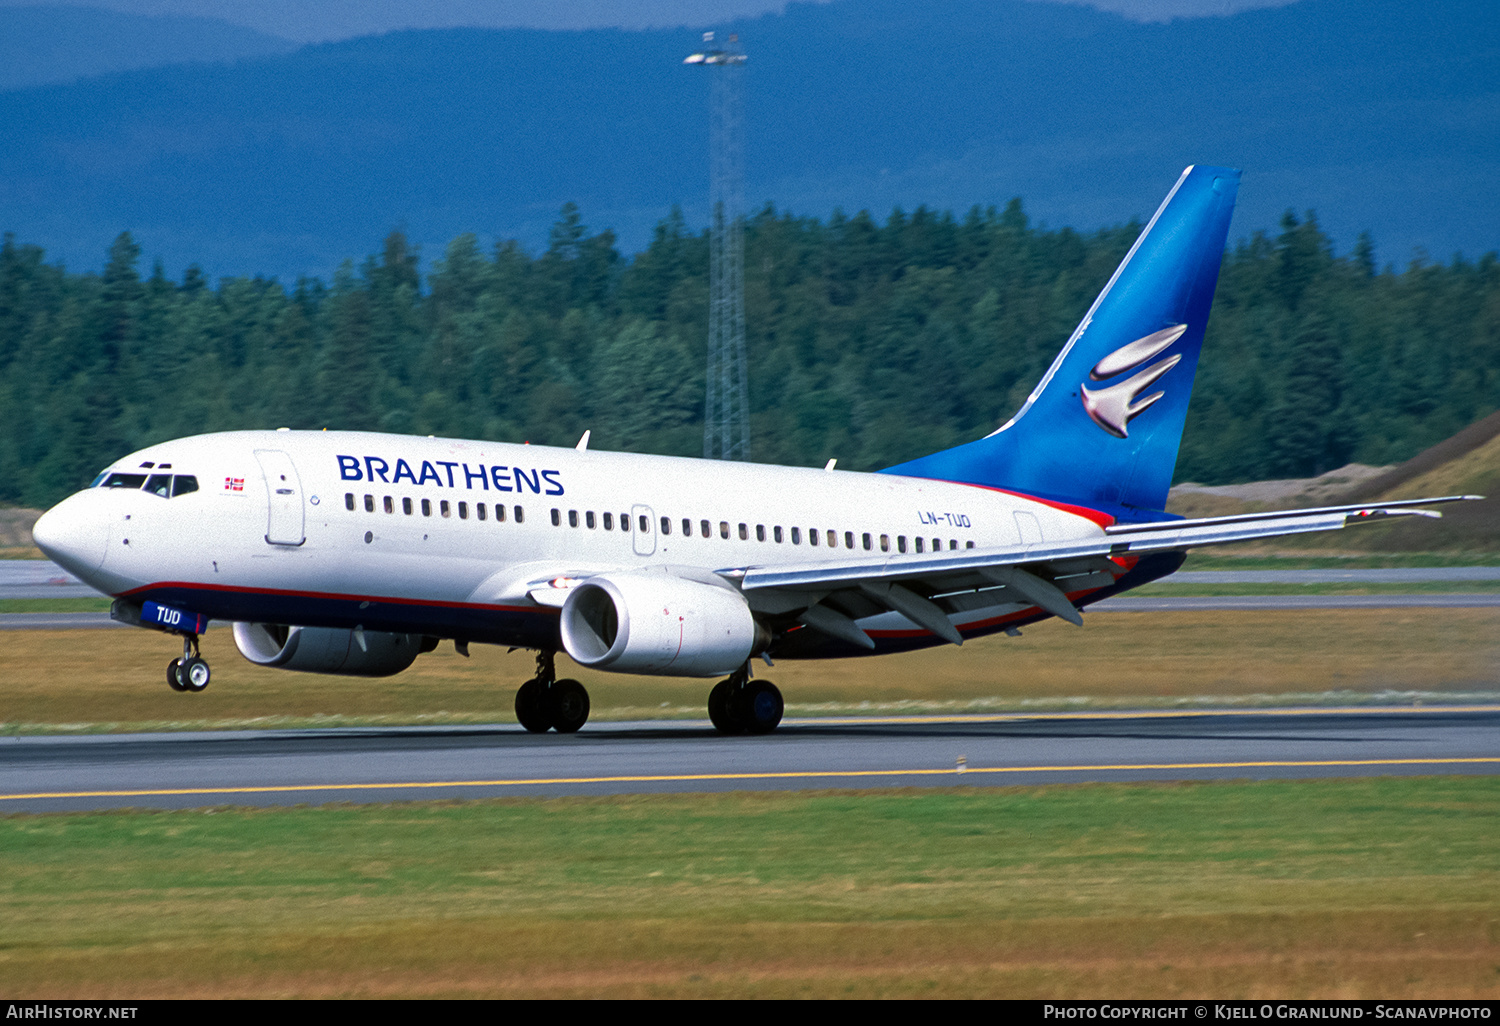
{"type": "Point", "coordinates": [191, 672]}
{"type": "Point", "coordinates": [545, 703]}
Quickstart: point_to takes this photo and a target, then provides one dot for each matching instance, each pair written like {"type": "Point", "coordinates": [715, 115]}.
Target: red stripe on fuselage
{"type": "Point", "coordinates": [1097, 516]}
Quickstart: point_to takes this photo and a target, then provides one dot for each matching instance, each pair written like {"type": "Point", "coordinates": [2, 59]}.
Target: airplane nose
{"type": "Point", "coordinates": [74, 534]}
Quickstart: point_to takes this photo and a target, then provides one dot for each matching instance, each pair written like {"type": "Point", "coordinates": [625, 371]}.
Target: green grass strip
{"type": "Point", "coordinates": [64, 605]}
{"type": "Point", "coordinates": [942, 891]}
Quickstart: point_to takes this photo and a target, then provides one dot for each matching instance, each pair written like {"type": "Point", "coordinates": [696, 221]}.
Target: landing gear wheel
{"type": "Point", "coordinates": [569, 702]}
{"type": "Point", "coordinates": [531, 707]}
{"type": "Point", "coordinates": [174, 680]}
{"type": "Point", "coordinates": [194, 674]}
{"type": "Point", "coordinates": [721, 708]}
{"type": "Point", "coordinates": [760, 706]}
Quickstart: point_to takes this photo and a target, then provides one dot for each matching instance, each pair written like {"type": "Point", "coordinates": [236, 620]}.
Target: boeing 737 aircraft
{"type": "Point", "coordinates": [353, 553]}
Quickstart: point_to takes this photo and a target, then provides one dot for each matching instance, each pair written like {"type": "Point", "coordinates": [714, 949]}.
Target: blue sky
{"type": "Point", "coordinates": [324, 20]}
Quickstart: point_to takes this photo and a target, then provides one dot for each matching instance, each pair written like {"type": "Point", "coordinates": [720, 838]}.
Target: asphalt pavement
{"type": "Point", "coordinates": [285, 767]}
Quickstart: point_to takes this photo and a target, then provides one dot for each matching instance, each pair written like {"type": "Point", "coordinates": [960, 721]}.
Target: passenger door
{"type": "Point", "coordinates": [284, 521]}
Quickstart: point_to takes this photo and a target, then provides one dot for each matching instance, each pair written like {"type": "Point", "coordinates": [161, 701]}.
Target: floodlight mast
{"type": "Point", "coordinates": [726, 409]}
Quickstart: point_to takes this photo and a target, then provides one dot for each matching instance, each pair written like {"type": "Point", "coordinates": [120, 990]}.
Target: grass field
{"type": "Point", "coordinates": [55, 605]}
{"type": "Point", "coordinates": [1373, 887]}
{"type": "Point", "coordinates": [116, 679]}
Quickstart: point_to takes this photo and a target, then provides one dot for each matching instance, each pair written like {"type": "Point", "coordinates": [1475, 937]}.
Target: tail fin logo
{"type": "Point", "coordinates": [1114, 407]}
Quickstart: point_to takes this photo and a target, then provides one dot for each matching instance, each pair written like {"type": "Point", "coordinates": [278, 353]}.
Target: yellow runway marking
{"type": "Point", "coordinates": [787, 775]}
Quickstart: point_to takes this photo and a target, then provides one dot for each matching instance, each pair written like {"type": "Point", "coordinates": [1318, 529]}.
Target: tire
{"type": "Point", "coordinates": [721, 709]}
{"type": "Point", "coordinates": [761, 706]}
{"type": "Point", "coordinates": [173, 680]}
{"type": "Point", "coordinates": [531, 707]}
{"type": "Point", "coordinates": [195, 675]}
{"type": "Point", "coordinates": [568, 702]}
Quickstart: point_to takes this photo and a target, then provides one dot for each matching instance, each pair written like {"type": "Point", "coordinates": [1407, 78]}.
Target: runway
{"type": "Point", "coordinates": [40, 774]}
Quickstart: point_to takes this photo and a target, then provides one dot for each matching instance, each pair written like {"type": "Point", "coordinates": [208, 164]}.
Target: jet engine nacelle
{"type": "Point", "coordinates": [327, 649]}
{"type": "Point", "coordinates": [658, 623]}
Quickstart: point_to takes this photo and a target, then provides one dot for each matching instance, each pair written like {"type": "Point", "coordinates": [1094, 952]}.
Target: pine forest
{"type": "Point", "coordinates": [869, 341]}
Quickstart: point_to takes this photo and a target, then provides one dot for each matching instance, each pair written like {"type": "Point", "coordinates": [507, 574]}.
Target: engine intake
{"type": "Point", "coordinates": [327, 649]}
{"type": "Point", "coordinates": [657, 623]}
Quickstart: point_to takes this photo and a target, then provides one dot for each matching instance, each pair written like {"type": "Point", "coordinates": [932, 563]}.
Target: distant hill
{"type": "Point", "coordinates": [1467, 464]}
{"type": "Point", "coordinates": [51, 45]}
{"type": "Point", "coordinates": [1381, 114]}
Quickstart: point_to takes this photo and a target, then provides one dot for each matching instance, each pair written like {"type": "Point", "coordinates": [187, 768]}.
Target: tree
{"type": "Point", "coordinates": [1303, 255]}
{"type": "Point", "coordinates": [348, 376]}
{"type": "Point", "coordinates": [1306, 426]}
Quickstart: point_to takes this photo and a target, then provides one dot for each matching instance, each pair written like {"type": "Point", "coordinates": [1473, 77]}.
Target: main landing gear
{"type": "Point", "coordinates": [736, 705]}
{"type": "Point", "coordinates": [739, 705]}
{"type": "Point", "coordinates": [190, 673]}
{"type": "Point", "coordinates": [546, 703]}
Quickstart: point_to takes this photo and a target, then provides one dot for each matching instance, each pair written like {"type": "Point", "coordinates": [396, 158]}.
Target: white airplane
{"type": "Point", "coordinates": [353, 553]}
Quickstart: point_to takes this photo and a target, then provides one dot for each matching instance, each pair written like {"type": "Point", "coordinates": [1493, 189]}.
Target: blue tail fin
{"type": "Point", "coordinates": [1103, 426]}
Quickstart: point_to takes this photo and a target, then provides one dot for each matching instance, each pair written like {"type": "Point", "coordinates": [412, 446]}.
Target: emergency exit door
{"type": "Point", "coordinates": [643, 529]}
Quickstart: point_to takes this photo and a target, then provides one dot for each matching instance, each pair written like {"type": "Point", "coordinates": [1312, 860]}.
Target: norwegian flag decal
{"type": "Point", "coordinates": [234, 484]}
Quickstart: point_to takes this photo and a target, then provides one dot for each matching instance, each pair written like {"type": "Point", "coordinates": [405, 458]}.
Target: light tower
{"type": "Point", "coordinates": [726, 408]}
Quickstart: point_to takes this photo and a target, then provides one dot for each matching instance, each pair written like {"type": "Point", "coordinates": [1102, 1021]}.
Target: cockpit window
{"type": "Point", "coordinates": [165, 485]}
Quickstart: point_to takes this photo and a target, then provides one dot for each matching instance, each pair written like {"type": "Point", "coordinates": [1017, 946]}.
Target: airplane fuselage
{"type": "Point", "coordinates": [464, 539]}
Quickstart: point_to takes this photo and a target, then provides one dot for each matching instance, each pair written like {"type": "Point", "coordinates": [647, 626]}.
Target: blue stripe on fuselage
{"type": "Point", "coordinates": [498, 625]}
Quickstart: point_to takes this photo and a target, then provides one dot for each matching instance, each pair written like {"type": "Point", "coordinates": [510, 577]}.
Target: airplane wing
{"type": "Point", "coordinates": [927, 588]}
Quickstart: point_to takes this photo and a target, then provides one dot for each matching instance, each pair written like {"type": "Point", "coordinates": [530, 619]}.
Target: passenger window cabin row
{"type": "Point", "coordinates": [704, 528]}
{"type": "Point", "coordinates": [444, 508]}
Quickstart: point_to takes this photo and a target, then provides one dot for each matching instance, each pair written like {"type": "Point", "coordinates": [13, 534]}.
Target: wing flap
{"type": "Point", "coordinates": [1039, 591]}
{"type": "Point", "coordinates": [836, 625]}
{"type": "Point", "coordinates": [919, 610]}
